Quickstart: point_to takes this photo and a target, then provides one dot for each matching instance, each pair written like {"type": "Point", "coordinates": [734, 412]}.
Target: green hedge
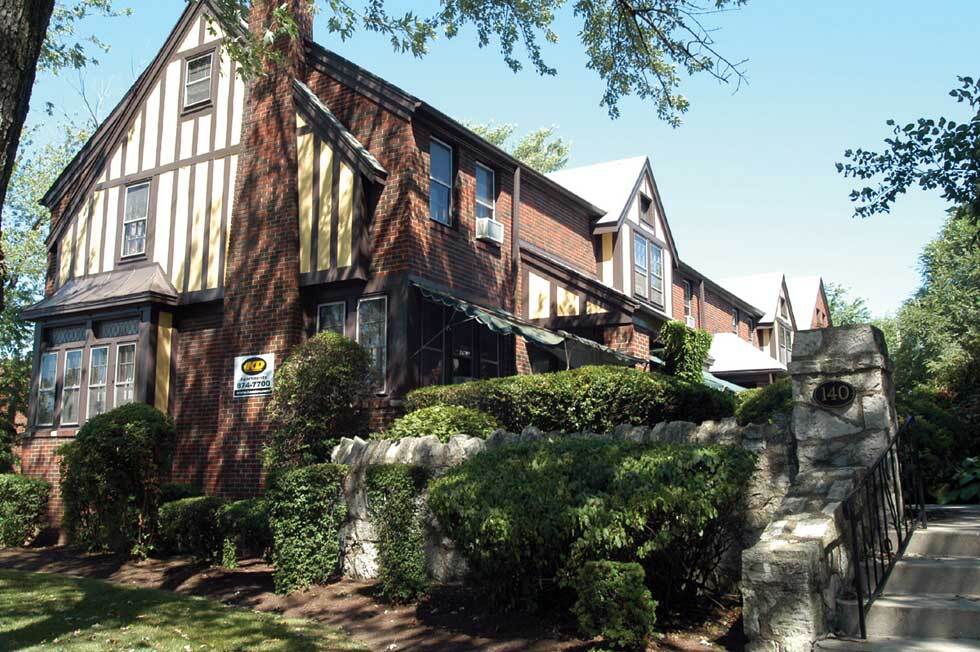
{"type": "Point", "coordinates": [306, 511]}
{"type": "Point", "coordinates": [171, 491]}
{"type": "Point", "coordinates": [941, 438]}
{"type": "Point", "coordinates": [612, 601]}
{"type": "Point", "coordinates": [23, 508]}
{"type": "Point", "coordinates": [245, 531]}
{"type": "Point", "coordinates": [443, 421]}
{"type": "Point", "coordinates": [760, 405]}
{"type": "Point", "coordinates": [594, 399]}
{"type": "Point", "coordinates": [393, 492]}
{"type": "Point", "coordinates": [111, 475]}
{"type": "Point", "coordinates": [524, 514]}
{"type": "Point", "coordinates": [189, 526]}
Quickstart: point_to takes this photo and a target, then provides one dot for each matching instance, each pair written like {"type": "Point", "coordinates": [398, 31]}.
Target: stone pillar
{"type": "Point", "coordinates": [850, 435]}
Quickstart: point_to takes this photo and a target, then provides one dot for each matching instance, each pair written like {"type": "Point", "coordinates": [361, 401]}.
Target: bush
{"type": "Point", "coordinates": [110, 479]}
{"type": "Point", "coordinates": [522, 514]}
{"type": "Point", "coordinates": [23, 508]}
{"type": "Point", "coordinates": [171, 491]}
{"type": "Point", "coordinates": [965, 486]}
{"type": "Point", "coordinates": [443, 421]}
{"type": "Point", "coordinates": [244, 526]}
{"type": "Point", "coordinates": [397, 514]}
{"type": "Point", "coordinates": [306, 511]}
{"type": "Point", "coordinates": [189, 526]}
{"type": "Point", "coordinates": [613, 601]}
{"type": "Point", "coordinates": [685, 350]}
{"type": "Point", "coordinates": [940, 437]}
{"type": "Point", "coordinates": [760, 405]}
{"type": "Point", "coordinates": [594, 399]}
{"type": "Point", "coordinates": [8, 437]}
{"type": "Point", "coordinates": [317, 399]}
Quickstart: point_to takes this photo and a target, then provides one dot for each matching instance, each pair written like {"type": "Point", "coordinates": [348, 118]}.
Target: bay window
{"type": "Point", "coordinates": [648, 270]}
{"type": "Point", "coordinates": [372, 334]}
{"type": "Point", "coordinates": [71, 388]}
{"type": "Point", "coordinates": [641, 272]}
{"type": "Point", "coordinates": [46, 389]}
{"type": "Point", "coordinates": [125, 374]}
{"type": "Point", "coordinates": [98, 372]}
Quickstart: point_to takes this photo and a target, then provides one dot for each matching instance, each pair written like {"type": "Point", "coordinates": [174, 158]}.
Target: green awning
{"type": "Point", "coordinates": [584, 350]}
{"type": "Point", "coordinates": [717, 383]}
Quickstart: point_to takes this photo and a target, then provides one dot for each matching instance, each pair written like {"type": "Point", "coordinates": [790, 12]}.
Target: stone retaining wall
{"type": "Point", "coordinates": [774, 471]}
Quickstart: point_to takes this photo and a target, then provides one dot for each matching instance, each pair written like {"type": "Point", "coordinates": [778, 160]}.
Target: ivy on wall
{"type": "Point", "coordinates": [393, 493]}
{"type": "Point", "coordinates": [685, 350]}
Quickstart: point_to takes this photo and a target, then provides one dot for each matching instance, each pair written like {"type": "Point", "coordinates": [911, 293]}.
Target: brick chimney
{"type": "Point", "coordinates": [262, 312]}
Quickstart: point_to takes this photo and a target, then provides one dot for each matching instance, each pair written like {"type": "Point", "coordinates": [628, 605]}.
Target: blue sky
{"type": "Point", "coordinates": [748, 181]}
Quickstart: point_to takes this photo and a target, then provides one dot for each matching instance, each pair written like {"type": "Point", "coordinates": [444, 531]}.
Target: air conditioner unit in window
{"type": "Point", "coordinates": [489, 229]}
{"type": "Point", "coordinates": [691, 321]}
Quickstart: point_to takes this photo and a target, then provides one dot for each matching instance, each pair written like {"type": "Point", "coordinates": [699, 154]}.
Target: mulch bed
{"type": "Point", "coordinates": [450, 620]}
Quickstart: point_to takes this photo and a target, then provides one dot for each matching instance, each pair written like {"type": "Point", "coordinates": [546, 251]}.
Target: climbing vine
{"type": "Point", "coordinates": [685, 350]}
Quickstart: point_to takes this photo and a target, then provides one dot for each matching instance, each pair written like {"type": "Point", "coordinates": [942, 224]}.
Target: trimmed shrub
{"type": "Point", "coordinates": [317, 400]}
{"type": "Point", "coordinates": [685, 350]}
{"type": "Point", "coordinates": [397, 514]}
{"type": "Point", "coordinates": [23, 508]}
{"type": "Point", "coordinates": [594, 399]}
{"type": "Point", "coordinates": [443, 421]}
{"type": "Point", "coordinates": [612, 601]}
{"type": "Point", "coordinates": [244, 526]}
{"type": "Point", "coordinates": [306, 511]}
{"type": "Point", "coordinates": [522, 514]}
{"type": "Point", "coordinates": [111, 476]}
{"type": "Point", "coordinates": [171, 491]}
{"type": "Point", "coordinates": [189, 526]}
{"type": "Point", "coordinates": [761, 404]}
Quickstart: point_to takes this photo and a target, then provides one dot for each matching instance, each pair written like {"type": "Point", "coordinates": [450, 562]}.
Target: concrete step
{"type": "Point", "coordinates": [892, 644]}
{"type": "Point", "coordinates": [953, 576]}
{"type": "Point", "coordinates": [947, 540]}
{"type": "Point", "coordinates": [914, 616]}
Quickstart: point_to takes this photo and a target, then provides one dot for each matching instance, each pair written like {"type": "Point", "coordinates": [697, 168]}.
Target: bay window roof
{"type": "Point", "coordinates": [120, 287]}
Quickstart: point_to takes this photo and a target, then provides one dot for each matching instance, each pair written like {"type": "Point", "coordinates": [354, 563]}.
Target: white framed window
{"type": "Point", "coordinates": [197, 80]}
{"type": "Point", "coordinates": [135, 219]}
{"type": "Point", "coordinates": [98, 374]}
{"type": "Point", "coordinates": [486, 199]}
{"type": "Point", "coordinates": [440, 181]}
{"type": "Point", "coordinates": [331, 317]}
{"type": "Point", "coordinates": [735, 320]}
{"type": "Point", "coordinates": [641, 273]}
{"type": "Point", "coordinates": [46, 383]}
{"type": "Point", "coordinates": [125, 374]}
{"type": "Point", "coordinates": [688, 292]}
{"type": "Point", "coordinates": [656, 274]}
{"type": "Point", "coordinates": [71, 387]}
{"type": "Point", "coordinates": [372, 334]}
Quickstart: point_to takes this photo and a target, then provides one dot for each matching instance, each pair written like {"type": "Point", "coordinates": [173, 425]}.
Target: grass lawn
{"type": "Point", "coordinates": [55, 612]}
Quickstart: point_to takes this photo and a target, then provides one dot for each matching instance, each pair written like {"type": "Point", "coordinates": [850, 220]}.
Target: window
{"type": "Point", "coordinates": [71, 388]}
{"type": "Point", "coordinates": [46, 389]}
{"type": "Point", "coordinates": [783, 310]}
{"type": "Point", "coordinates": [485, 198]}
{"type": "Point", "coordinates": [640, 270]}
{"type": "Point", "coordinates": [440, 182]}
{"type": "Point", "coordinates": [735, 320]}
{"type": "Point", "coordinates": [455, 348]}
{"type": "Point", "coordinates": [372, 333]}
{"type": "Point", "coordinates": [489, 353]}
{"type": "Point", "coordinates": [134, 220]}
{"type": "Point", "coordinates": [98, 367]}
{"type": "Point", "coordinates": [116, 328]}
{"type": "Point", "coordinates": [786, 344]}
{"type": "Point", "coordinates": [65, 335]}
{"type": "Point", "coordinates": [331, 317]}
{"type": "Point", "coordinates": [687, 298]}
{"type": "Point", "coordinates": [197, 83]}
{"type": "Point", "coordinates": [125, 374]}
{"type": "Point", "coordinates": [656, 275]}
{"type": "Point", "coordinates": [646, 209]}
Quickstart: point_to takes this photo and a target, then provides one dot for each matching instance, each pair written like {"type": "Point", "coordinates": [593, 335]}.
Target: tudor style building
{"type": "Point", "coordinates": [209, 219]}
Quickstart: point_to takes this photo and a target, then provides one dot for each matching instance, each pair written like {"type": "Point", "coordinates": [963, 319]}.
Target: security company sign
{"type": "Point", "coordinates": [254, 374]}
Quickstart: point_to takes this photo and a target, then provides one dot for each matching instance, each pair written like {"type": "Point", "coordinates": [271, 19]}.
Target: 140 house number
{"type": "Point", "coordinates": [834, 393]}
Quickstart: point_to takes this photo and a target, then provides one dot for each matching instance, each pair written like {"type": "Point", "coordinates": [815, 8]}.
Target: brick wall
{"type": "Point", "coordinates": [39, 460]}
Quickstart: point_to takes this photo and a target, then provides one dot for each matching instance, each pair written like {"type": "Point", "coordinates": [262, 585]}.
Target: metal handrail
{"type": "Point", "coordinates": [882, 511]}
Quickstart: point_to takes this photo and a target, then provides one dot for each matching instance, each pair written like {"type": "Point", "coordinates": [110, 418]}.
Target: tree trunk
{"type": "Point", "coordinates": [23, 24]}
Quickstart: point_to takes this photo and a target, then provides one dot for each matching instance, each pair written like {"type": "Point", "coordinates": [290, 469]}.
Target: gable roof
{"type": "Point", "coordinates": [803, 293]}
{"type": "Point", "coordinates": [84, 168]}
{"type": "Point", "coordinates": [760, 290]}
{"type": "Point", "coordinates": [325, 122]}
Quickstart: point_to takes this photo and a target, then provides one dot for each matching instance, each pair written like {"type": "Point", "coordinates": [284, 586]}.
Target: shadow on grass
{"type": "Point", "coordinates": [36, 609]}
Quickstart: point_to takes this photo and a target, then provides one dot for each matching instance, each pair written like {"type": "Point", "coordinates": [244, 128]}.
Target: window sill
{"type": "Point", "coordinates": [197, 109]}
{"type": "Point", "coordinates": [134, 258]}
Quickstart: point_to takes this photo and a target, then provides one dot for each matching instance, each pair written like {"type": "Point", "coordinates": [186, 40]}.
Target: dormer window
{"type": "Point", "coordinates": [197, 82]}
{"type": "Point", "coordinates": [646, 209]}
